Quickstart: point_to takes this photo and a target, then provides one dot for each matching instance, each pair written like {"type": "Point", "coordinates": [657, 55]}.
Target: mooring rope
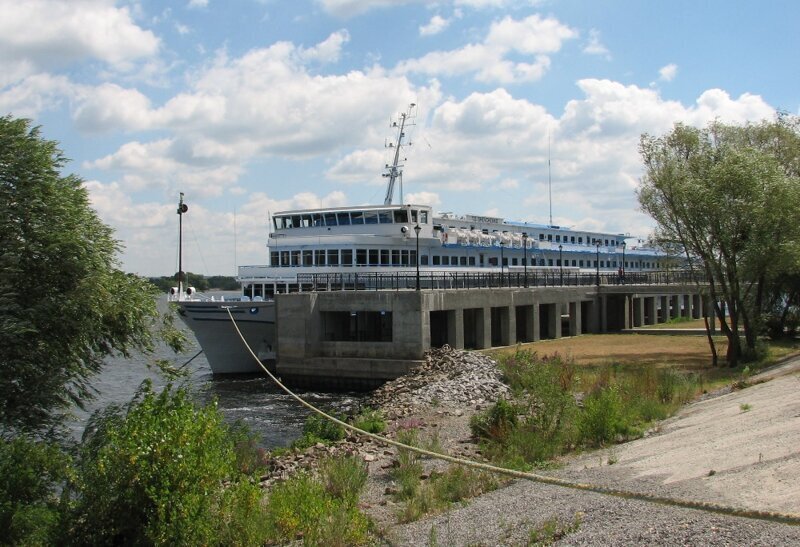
{"type": "Point", "coordinates": [787, 518]}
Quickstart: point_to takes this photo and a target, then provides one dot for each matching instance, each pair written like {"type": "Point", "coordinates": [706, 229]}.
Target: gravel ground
{"type": "Point", "coordinates": [755, 456]}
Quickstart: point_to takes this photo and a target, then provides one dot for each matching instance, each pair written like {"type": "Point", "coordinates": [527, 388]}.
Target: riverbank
{"type": "Point", "coordinates": [735, 449]}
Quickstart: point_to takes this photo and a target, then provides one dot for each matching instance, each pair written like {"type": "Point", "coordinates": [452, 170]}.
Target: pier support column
{"type": "Point", "coordinates": [687, 306]}
{"type": "Point", "coordinates": [638, 311]}
{"type": "Point", "coordinates": [574, 318]}
{"type": "Point", "coordinates": [675, 306]}
{"type": "Point", "coordinates": [603, 313]}
{"type": "Point", "coordinates": [511, 326]}
{"type": "Point", "coordinates": [626, 316]}
{"type": "Point", "coordinates": [455, 328]}
{"type": "Point", "coordinates": [663, 316]}
{"type": "Point", "coordinates": [535, 323]}
{"type": "Point", "coordinates": [697, 303]}
{"type": "Point", "coordinates": [651, 317]}
{"type": "Point", "coordinates": [592, 316]}
{"type": "Point", "coordinates": [554, 320]}
{"type": "Point", "coordinates": [485, 328]}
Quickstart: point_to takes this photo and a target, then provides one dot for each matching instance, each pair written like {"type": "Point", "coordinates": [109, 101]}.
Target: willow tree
{"type": "Point", "coordinates": [730, 197]}
{"type": "Point", "coordinates": [64, 302]}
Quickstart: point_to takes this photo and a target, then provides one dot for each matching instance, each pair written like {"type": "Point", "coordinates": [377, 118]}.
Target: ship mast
{"type": "Point", "coordinates": [395, 170]}
{"type": "Point", "coordinates": [182, 208]}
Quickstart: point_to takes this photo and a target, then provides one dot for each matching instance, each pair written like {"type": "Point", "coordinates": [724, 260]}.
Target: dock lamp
{"type": "Point", "coordinates": [561, 264]}
{"type": "Point", "coordinates": [525, 256]}
{"type": "Point", "coordinates": [623, 261]}
{"type": "Point", "coordinates": [597, 262]}
{"type": "Point", "coordinates": [416, 231]}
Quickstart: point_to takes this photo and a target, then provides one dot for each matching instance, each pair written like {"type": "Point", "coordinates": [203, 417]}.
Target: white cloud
{"type": "Point", "coordinates": [36, 93]}
{"type": "Point", "coordinates": [351, 8]}
{"type": "Point", "coordinates": [667, 73]}
{"type": "Point", "coordinates": [183, 30]}
{"type": "Point", "coordinates": [327, 51]}
{"type": "Point", "coordinates": [193, 4]}
{"type": "Point", "coordinates": [42, 34]}
{"type": "Point", "coordinates": [491, 61]}
{"type": "Point", "coordinates": [424, 198]}
{"type": "Point", "coordinates": [594, 46]}
{"type": "Point", "coordinates": [436, 25]}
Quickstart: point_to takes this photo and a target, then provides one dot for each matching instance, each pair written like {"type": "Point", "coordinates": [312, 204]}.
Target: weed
{"type": "Point", "coordinates": [602, 417]}
{"type": "Point", "coordinates": [344, 478]}
{"type": "Point", "coordinates": [370, 420]}
{"type": "Point", "coordinates": [318, 430]}
{"type": "Point", "coordinates": [745, 407]}
{"type": "Point", "coordinates": [409, 469]}
{"type": "Point", "coordinates": [553, 530]}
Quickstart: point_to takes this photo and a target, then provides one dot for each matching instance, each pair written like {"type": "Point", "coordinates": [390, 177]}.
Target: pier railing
{"type": "Point", "coordinates": [375, 281]}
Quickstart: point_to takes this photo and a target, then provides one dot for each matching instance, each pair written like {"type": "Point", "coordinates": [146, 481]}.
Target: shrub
{"type": "Point", "coordinates": [602, 417]}
{"type": "Point", "coordinates": [344, 478]}
{"type": "Point", "coordinates": [155, 473]}
{"type": "Point", "coordinates": [30, 473]}
{"type": "Point", "coordinates": [371, 421]}
{"type": "Point", "coordinates": [409, 468]}
{"type": "Point", "coordinates": [318, 429]}
{"type": "Point", "coordinates": [496, 422]}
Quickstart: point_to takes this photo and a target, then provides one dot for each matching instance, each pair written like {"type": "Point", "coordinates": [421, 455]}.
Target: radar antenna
{"type": "Point", "coordinates": [395, 170]}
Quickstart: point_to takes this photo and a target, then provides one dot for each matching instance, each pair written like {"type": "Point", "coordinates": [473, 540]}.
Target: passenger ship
{"type": "Point", "coordinates": [390, 239]}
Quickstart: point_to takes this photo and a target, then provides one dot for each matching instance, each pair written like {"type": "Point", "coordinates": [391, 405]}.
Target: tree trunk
{"type": "Point", "coordinates": [711, 343]}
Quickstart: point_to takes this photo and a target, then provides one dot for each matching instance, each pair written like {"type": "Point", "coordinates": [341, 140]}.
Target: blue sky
{"type": "Point", "coordinates": [255, 106]}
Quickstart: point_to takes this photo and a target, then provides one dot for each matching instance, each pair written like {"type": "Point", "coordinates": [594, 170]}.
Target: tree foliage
{"type": "Point", "coordinates": [730, 196]}
{"type": "Point", "coordinates": [64, 302]}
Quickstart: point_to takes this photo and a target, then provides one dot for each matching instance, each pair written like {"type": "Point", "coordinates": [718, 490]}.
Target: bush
{"type": "Point", "coordinates": [602, 417]}
{"type": "Point", "coordinates": [318, 429]}
{"type": "Point", "coordinates": [497, 422]}
{"type": "Point", "coordinates": [155, 474]}
{"type": "Point", "coordinates": [344, 478]}
{"type": "Point", "coordinates": [370, 421]}
{"type": "Point", "coordinates": [30, 473]}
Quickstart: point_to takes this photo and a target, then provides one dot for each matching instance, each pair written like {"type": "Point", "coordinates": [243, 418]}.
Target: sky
{"type": "Point", "coordinates": [251, 107]}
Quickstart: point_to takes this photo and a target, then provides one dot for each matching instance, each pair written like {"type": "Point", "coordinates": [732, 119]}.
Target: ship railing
{"type": "Point", "coordinates": [441, 280]}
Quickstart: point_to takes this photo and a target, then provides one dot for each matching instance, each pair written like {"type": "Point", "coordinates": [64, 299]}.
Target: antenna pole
{"type": "Point", "coordinates": [549, 179]}
{"type": "Point", "coordinates": [182, 208]}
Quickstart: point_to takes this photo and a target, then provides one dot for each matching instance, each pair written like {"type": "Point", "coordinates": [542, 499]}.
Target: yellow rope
{"type": "Point", "coordinates": [787, 518]}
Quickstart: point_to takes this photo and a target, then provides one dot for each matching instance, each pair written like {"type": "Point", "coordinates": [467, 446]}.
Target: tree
{"type": "Point", "coordinates": [730, 197]}
{"type": "Point", "coordinates": [64, 302]}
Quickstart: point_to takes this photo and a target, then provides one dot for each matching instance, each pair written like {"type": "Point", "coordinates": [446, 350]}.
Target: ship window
{"type": "Point", "coordinates": [385, 217]}
{"type": "Point", "coordinates": [414, 216]}
{"type": "Point", "coordinates": [357, 217]}
{"type": "Point", "coordinates": [549, 261]}
{"type": "Point", "coordinates": [296, 221]}
{"type": "Point", "coordinates": [374, 259]}
{"type": "Point", "coordinates": [558, 239]}
{"type": "Point", "coordinates": [295, 258]}
{"type": "Point", "coordinates": [580, 240]}
{"type": "Point", "coordinates": [333, 257]}
{"type": "Point", "coordinates": [571, 240]}
{"type": "Point", "coordinates": [492, 261]}
{"type": "Point", "coordinates": [274, 258]}
{"type": "Point", "coordinates": [412, 255]}
{"type": "Point", "coordinates": [514, 261]}
{"type": "Point", "coordinates": [347, 257]}
{"type": "Point", "coordinates": [284, 258]}
{"type": "Point", "coordinates": [385, 257]}
{"type": "Point", "coordinates": [558, 262]}
{"type": "Point", "coordinates": [437, 260]}
{"type": "Point", "coordinates": [541, 262]}
{"type": "Point", "coordinates": [395, 257]}
{"type": "Point", "coordinates": [404, 257]}
{"type": "Point", "coordinates": [463, 260]}
{"type": "Point", "coordinates": [573, 263]}
{"type": "Point", "coordinates": [319, 257]}
{"type": "Point", "coordinates": [423, 217]}
{"type": "Point", "coordinates": [361, 257]}
{"type": "Point", "coordinates": [370, 217]}
{"type": "Point", "coordinates": [278, 222]}
{"type": "Point", "coordinates": [541, 237]}
{"type": "Point", "coordinates": [308, 258]}
{"type": "Point", "coordinates": [330, 219]}
{"type": "Point", "coordinates": [549, 237]}
{"type": "Point", "coordinates": [401, 216]}
{"type": "Point", "coordinates": [306, 219]}
{"type": "Point", "coordinates": [580, 263]}
{"type": "Point", "coordinates": [316, 219]}
{"type": "Point", "coordinates": [423, 260]}
{"type": "Point", "coordinates": [606, 243]}
{"type": "Point", "coordinates": [472, 261]}
{"type": "Point", "coordinates": [344, 219]}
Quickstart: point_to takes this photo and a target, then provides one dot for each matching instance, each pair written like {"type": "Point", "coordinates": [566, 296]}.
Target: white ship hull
{"type": "Point", "coordinates": [217, 336]}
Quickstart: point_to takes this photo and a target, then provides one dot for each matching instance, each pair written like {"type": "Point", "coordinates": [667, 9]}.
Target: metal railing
{"type": "Point", "coordinates": [439, 280]}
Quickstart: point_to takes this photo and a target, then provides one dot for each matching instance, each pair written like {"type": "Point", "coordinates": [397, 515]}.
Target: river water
{"type": "Point", "coordinates": [254, 400]}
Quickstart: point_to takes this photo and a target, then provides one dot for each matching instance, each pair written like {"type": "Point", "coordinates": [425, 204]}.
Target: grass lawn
{"type": "Point", "coordinates": [690, 324]}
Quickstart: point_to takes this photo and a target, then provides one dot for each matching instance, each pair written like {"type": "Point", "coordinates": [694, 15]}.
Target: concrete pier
{"type": "Point", "coordinates": [358, 339]}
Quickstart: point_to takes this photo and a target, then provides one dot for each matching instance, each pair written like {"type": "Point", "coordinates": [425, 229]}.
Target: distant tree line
{"type": "Point", "coordinates": [198, 281]}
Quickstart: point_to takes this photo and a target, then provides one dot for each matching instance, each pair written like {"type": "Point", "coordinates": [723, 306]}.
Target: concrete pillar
{"type": "Point", "coordinates": [697, 303]}
{"type": "Point", "coordinates": [638, 311]}
{"type": "Point", "coordinates": [651, 318]}
{"type": "Point", "coordinates": [483, 326]}
{"type": "Point", "coordinates": [592, 316]}
{"type": "Point", "coordinates": [687, 306]}
{"type": "Point", "coordinates": [663, 317]}
{"type": "Point", "coordinates": [455, 328]}
{"type": "Point", "coordinates": [510, 326]}
{"type": "Point", "coordinates": [531, 322]}
{"type": "Point", "coordinates": [554, 320]}
{"type": "Point", "coordinates": [574, 318]}
{"type": "Point", "coordinates": [535, 323]}
{"type": "Point", "coordinates": [675, 306]}
{"type": "Point", "coordinates": [603, 313]}
{"type": "Point", "coordinates": [626, 316]}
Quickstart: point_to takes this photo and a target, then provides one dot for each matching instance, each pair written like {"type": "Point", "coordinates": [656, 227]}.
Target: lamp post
{"type": "Point", "coordinates": [623, 262]}
{"type": "Point", "coordinates": [561, 264]}
{"type": "Point", "coordinates": [597, 262]}
{"type": "Point", "coordinates": [416, 231]}
{"type": "Point", "coordinates": [501, 263]}
{"type": "Point", "coordinates": [525, 256]}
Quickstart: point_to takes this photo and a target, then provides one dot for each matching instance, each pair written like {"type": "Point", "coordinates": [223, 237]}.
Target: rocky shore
{"type": "Point", "coordinates": [438, 400]}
